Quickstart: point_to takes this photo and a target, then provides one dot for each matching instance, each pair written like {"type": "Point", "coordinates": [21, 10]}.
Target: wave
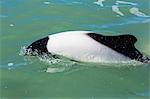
{"type": "Point", "coordinates": [125, 2]}
{"type": "Point", "coordinates": [99, 2]}
{"type": "Point", "coordinates": [135, 11]}
{"type": "Point", "coordinates": [3, 16]}
{"type": "Point", "coordinates": [124, 22]}
{"type": "Point", "coordinates": [116, 9]}
{"type": "Point", "coordinates": [142, 94]}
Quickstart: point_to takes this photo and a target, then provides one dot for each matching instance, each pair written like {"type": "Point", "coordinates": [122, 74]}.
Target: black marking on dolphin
{"type": "Point", "coordinates": [123, 44]}
{"type": "Point", "coordinates": [38, 46]}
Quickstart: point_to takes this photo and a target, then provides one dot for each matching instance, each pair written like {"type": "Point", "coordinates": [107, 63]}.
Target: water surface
{"type": "Point", "coordinates": [24, 21]}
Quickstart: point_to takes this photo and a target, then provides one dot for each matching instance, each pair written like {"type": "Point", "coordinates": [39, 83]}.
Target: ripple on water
{"type": "Point", "coordinates": [116, 9]}
{"type": "Point", "coordinates": [125, 2]}
{"type": "Point", "coordinates": [55, 70]}
{"type": "Point", "coordinates": [137, 12]}
{"type": "Point", "coordinates": [143, 94]}
{"type": "Point", "coordinates": [99, 2]}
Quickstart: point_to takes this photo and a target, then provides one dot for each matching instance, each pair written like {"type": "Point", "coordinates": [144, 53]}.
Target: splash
{"type": "Point", "coordinates": [55, 65]}
{"type": "Point", "coordinates": [24, 51]}
{"type": "Point", "coordinates": [135, 11]}
{"type": "Point", "coordinates": [116, 9]}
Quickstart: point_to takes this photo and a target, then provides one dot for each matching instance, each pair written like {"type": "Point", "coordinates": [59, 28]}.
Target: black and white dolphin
{"type": "Point", "coordinates": [88, 46]}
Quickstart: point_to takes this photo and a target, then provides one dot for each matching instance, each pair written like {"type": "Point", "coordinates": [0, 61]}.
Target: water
{"type": "Point", "coordinates": [24, 21]}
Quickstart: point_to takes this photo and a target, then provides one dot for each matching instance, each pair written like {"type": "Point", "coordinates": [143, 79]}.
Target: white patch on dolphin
{"type": "Point", "coordinates": [78, 46]}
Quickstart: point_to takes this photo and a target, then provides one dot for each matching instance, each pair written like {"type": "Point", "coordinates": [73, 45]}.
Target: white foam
{"type": "Point", "coordinates": [25, 51]}
{"type": "Point", "coordinates": [135, 11]}
{"type": "Point", "coordinates": [100, 2]}
{"type": "Point", "coordinates": [55, 70]}
{"type": "Point", "coordinates": [46, 2]}
{"type": "Point", "coordinates": [11, 25]}
{"type": "Point", "coordinates": [116, 9]}
{"type": "Point", "coordinates": [10, 64]}
{"type": "Point", "coordinates": [125, 2]}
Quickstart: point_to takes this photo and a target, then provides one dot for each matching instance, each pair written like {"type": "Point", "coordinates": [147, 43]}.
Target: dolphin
{"type": "Point", "coordinates": [88, 46]}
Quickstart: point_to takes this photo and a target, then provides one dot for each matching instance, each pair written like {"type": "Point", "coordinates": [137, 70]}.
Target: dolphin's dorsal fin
{"type": "Point", "coordinates": [123, 44]}
{"type": "Point", "coordinates": [126, 39]}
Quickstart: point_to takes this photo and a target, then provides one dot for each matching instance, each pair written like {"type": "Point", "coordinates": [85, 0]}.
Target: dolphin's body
{"type": "Point", "coordinates": [88, 46]}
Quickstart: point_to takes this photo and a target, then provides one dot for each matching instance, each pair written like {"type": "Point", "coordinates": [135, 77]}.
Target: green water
{"type": "Point", "coordinates": [24, 21]}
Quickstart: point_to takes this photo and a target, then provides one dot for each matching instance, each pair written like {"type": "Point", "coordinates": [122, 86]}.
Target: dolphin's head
{"type": "Point", "coordinates": [38, 47]}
